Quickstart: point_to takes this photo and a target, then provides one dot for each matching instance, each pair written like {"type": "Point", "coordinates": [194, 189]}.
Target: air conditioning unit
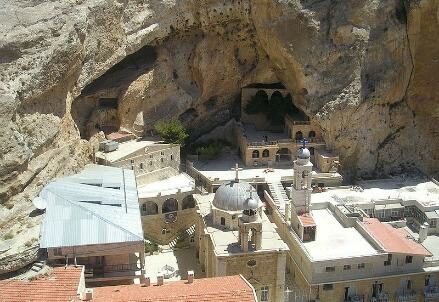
{"type": "Point", "coordinates": [160, 279]}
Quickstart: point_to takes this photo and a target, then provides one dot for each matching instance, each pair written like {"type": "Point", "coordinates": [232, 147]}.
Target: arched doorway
{"type": "Point", "coordinates": [188, 202]}
{"type": "Point", "coordinates": [150, 208]}
{"type": "Point", "coordinates": [255, 154]}
{"type": "Point", "coordinates": [312, 134]}
{"type": "Point", "coordinates": [170, 205]}
{"type": "Point", "coordinates": [299, 136]}
{"type": "Point", "coordinates": [284, 154]}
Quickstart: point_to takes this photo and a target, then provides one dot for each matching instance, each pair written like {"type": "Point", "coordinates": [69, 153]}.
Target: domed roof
{"type": "Point", "coordinates": [303, 153]}
{"type": "Point", "coordinates": [235, 196]}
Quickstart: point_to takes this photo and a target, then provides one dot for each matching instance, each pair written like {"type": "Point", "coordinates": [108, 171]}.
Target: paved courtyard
{"type": "Point", "coordinates": [182, 260]}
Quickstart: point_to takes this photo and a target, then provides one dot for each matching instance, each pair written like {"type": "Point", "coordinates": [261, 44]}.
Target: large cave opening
{"type": "Point", "coordinates": [98, 107]}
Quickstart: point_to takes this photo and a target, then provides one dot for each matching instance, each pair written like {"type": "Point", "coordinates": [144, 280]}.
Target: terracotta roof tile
{"type": "Point", "coordinates": [61, 285]}
{"type": "Point", "coordinates": [393, 240]}
{"type": "Point", "coordinates": [224, 289]}
{"type": "Point", "coordinates": [307, 220]}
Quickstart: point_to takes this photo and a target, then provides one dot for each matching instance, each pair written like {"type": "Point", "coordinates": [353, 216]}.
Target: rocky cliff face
{"type": "Point", "coordinates": [364, 70]}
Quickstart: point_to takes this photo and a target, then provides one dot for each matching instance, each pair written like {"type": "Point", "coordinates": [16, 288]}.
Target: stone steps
{"type": "Point", "coordinates": [186, 234]}
{"type": "Point", "coordinates": [279, 195]}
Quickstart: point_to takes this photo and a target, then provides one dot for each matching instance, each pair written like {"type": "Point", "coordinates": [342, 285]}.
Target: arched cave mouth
{"type": "Point", "coordinates": [97, 108]}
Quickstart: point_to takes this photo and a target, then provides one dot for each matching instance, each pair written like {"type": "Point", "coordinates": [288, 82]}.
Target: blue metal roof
{"type": "Point", "coordinates": [97, 206]}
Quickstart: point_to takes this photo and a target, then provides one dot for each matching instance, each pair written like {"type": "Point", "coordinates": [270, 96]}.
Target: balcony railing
{"type": "Point", "coordinates": [382, 297]}
{"type": "Point", "coordinates": [104, 271]}
{"type": "Point", "coordinates": [431, 293]}
{"type": "Point", "coordinates": [262, 143]}
{"type": "Point", "coordinates": [409, 296]}
{"type": "Point", "coordinates": [354, 298]}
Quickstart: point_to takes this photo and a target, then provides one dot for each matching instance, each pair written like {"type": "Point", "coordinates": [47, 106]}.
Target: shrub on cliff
{"type": "Point", "coordinates": [172, 132]}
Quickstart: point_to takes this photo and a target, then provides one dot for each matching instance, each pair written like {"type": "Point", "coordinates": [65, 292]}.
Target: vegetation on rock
{"type": "Point", "coordinates": [172, 132]}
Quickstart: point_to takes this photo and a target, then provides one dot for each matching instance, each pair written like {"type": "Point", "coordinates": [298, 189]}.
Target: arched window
{"type": "Point", "coordinates": [188, 202]}
{"type": "Point", "coordinates": [170, 205]}
{"type": "Point", "coordinates": [255, 154]}
{"type": "Point", "coordinates": [311, 150]}
{"type": "Point", "coordinates": [172, 157]}
{"type": "Point", "coordinates": [312, 134]}
{"type": "Point", "coordinates": [150, 208]}
{"type": "Point", "coordinates": [265, 153]}
{"type": "Point", "coordinates": [299, 135]}
{"type": "Point", "coordinates": [223, 221]}
{"type": "Point", "coordinates": [141, 166]}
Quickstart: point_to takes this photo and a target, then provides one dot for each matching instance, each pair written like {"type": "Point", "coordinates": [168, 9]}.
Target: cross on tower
{"type": "Point", "coordinates": [304, 141]}
{"type": "Point", "coordinates": [236, 169]}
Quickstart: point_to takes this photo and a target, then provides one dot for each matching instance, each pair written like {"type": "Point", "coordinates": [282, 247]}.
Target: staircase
{"type": "Point", "coordinates": [279, 195]}
{"type": "Point", "coordinates": [190, 231]}
{"type": "Point", "coordinates": [37, 266]}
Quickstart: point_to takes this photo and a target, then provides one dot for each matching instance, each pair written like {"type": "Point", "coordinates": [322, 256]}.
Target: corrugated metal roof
{"type": "Point", "coordinates": [80, 212]}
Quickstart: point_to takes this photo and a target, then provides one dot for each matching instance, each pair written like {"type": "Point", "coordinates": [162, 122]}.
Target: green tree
{"type": "Point", "coordinates": [172, 132]}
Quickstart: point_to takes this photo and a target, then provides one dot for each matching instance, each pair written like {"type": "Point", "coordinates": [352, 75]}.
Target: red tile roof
{"type": "Point", "coordinates": [61, 285]}
{"type": "Point", "coordinates": [118, 135]}
{"type": "Point", "coordinates": [307, 220]}
{"type": "Point", "coordinates": [393, 240]}
{"type": "Point", "coordinates": [217, 289]}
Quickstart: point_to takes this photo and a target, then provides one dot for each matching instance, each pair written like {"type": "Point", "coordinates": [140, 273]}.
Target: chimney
{"type": "Point", "coordinates": [146, 281]}
{"type": "Point", "coordinates": [423, 232]}
{"type": "Point", "coordinates": [160, 279]}
{"type": "Point", "coordinates": [86, 295]}
{"type": "Point", "coordinates": [190, 277]}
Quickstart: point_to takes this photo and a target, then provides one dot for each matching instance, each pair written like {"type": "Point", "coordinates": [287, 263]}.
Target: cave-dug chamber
{"type": "Point", "coordinates": [268, 106]}
{"type": "Point", "coordinates": [96, 109]}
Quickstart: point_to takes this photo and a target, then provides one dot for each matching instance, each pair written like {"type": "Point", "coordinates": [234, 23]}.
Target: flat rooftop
{"type": "Point", "coordinates": [168, 186]}
{"type": "Point", "coordinates": [221, 168]}
{"type": "Point", "coordinates": [129, 147]}
{"type": "Point", "coordinates": [254, 135]}
{"type": "Point", "coordinates": [333, 241]}
{"type": "Point", "coordinates": [424, 191]}
{"type": "Point", "coordinates": [225, 242]}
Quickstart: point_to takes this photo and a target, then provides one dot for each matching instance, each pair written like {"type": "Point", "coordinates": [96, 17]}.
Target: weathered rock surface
{"type": "Point", "coordinates": [364, 70]}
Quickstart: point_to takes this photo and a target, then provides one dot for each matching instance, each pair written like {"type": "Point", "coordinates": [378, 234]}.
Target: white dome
{"type": "Point", "coordinates": [303, 153]}
{"type": "Point", "coordinates": [235, 196]}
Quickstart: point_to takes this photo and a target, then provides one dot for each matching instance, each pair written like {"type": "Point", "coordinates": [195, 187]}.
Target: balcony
{"type": "Point", "coordinates": [431, 293]}
{"type": "Point", "coordinates": [407, 296]}
{"type": "Point", "coordinates": [263, 144]}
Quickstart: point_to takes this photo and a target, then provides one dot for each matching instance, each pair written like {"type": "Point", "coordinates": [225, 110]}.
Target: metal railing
{"type": "Point", "coordinates": [96, 271]}
{"type": "Point", "coordinates": [408, 296]}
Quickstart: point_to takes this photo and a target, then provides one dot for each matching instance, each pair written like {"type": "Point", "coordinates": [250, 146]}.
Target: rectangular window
{"type": "Point", "coordinates": [330, 269]}
{"type": "Point", "coordinates": [408, 259]}
{"type": "Point", "coordinates": [328, 286]}
{"type": "Point", "coordinates": [264, 294]}
{"type": "Point", "coordinates": [346, 267]}
{"type": "Point", "coordinates": [361, 265]}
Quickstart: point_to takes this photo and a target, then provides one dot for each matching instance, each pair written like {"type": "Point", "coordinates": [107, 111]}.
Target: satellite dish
{"type": "Point", "coordinates": [39, 203]}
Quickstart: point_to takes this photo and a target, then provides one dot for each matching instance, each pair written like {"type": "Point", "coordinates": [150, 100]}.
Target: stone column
{"type": "Point", "coordinates": [258, 237]}
{"type": "Point", "coordinates": [244, 243]}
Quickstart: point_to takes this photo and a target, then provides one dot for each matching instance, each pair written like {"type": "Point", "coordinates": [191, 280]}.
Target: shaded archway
{"type": "Point", "coordinates": [312, 134]}
{"type": "Point", "coordinates": [298, 136]}
{"type": "Point", "coordinates": [255, 154]}
{"type": "Point", "coordinates": [188, 202]}
{"type": "Point", "coordinates": [150, 208]}
{"type": "Point", "coordinates": [170, 205]}
{"type": "Point", "coordinates": [284, 154]}
{"type": "Point", "coordinates": [265, 153]}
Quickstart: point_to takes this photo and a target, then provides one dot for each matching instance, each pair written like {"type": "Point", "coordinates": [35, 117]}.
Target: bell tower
{"type": "Point", "coordinates": [250, 226]}
{"type": "Point", "coordinates": [301, 188]}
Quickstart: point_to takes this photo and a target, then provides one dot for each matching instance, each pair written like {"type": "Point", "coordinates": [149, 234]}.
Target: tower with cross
{"type": "Point", "coordinates": [301, 188]}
